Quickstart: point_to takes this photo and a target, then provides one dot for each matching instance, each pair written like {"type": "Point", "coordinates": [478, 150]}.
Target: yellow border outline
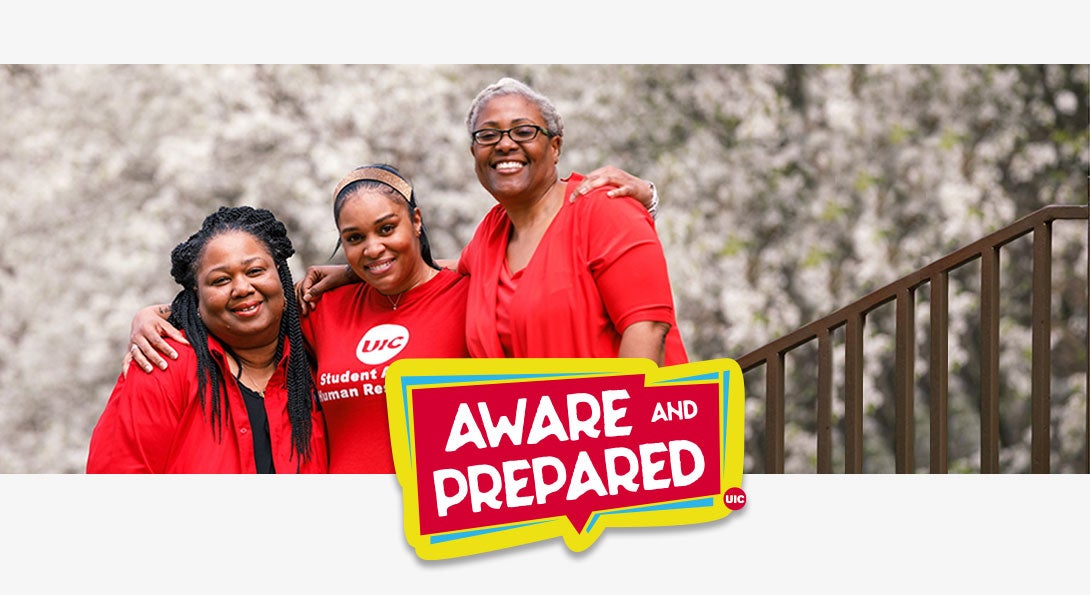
{"type": "Point", "coordinates": [406, 375]}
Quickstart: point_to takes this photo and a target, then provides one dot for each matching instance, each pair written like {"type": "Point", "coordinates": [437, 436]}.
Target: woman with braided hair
{"type": "Point", "coordinates": [240, 397]}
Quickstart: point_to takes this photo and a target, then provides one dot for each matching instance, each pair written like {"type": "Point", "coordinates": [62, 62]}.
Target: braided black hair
{"type": "Point", "coordinates": [342, 196]}
{"type": "Point", "coordinates": [263, 226]}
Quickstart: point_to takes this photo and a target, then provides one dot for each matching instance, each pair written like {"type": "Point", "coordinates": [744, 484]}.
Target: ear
{"type": "Point", "coordinates": [556, 142]}
{"type": "Point", "coordinates": [418, 221]}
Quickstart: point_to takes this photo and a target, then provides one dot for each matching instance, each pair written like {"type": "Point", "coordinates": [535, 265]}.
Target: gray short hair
{"type": "Point", "coordinates": [509, 86]}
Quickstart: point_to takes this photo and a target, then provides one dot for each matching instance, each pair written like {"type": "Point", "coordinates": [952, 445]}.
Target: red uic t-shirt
{"type": "Point", "coordinates": [355, 333]}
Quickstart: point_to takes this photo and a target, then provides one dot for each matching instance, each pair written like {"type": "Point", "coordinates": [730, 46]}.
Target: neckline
{"type": "Point", "coordinates": [249, 392]}
{"type": "Point", "coordinates": [514, 276]}
{"type": "Point", "coordinates": [394, 301]}
{"type": "Point", "coordinates": [244, 385]}
{"type": "Point", "coordinates": [548, 230]}
{"type": "Point", "coordinates": [392, 304]}
{"type": "Point", "coordinates": [238, 375]}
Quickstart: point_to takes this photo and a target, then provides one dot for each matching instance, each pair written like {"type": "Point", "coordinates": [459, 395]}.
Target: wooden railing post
{"type": "Point", "coordinates": [1042, 347]}
{"type": "Point", "coordinates": [825, 403]}
{"type": "Point", "coordinates": [774, 419]}
{"type": "Point", "coordinates": [939, 371]}
{"type": "Point", "coordinates": [904, 432]}
{"type": "Point", "coordinates": [989, 360]}
{"type": "Point", "coordinates": [853, 395]}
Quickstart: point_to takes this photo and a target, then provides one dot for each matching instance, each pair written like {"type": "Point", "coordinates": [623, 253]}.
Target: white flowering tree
{"type": "Point", "coordinates": [788, 192]}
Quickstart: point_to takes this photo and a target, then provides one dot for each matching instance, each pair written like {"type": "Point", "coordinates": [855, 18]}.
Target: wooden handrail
{"type": "Point", "coordinates": [853, 316]}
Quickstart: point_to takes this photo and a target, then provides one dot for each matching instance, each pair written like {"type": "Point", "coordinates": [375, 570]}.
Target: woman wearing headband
{"type": "Point", "coordinates": [408, 307]}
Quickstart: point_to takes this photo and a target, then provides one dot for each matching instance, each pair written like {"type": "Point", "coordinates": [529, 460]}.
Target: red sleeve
{"type": "Point", "coordinates": [627, 261]}
{"type": "Point", "coordinates": [490, 229]}
{"type": "Point", "coordinates": [468, 254]}
{"type": "Point", "coordinates": [310, 326]}
{"type": "Point", "coordinates": [135, 432]}
{"type": "Point", "coordinates": [327, 318]}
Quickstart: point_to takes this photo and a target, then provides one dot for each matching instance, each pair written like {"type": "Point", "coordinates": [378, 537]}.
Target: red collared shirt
{"type": "Point", "coordinates": [154, 423]}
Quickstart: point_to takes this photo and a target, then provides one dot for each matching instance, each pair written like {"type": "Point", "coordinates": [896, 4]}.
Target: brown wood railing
{"type": "Point", "coordinates": [903, 291]}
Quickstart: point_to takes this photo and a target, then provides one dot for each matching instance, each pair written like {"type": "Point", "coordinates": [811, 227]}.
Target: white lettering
{"type": "Point", "coordinates": [444, 500]}
{"type": "Point", "coordinates": [381, 343]}
{"type": "Point", "coordinates": [576, 424]}
{"type": "Point", "coordinates": [479, 496]}
{"type": "Point", "coordinates": [509, 486]}
{"type": "Point", "coordinates": [616, 480]}
{"type": "Point", "coordinates": [546, 423]}
{"type": "Point", "coordinates": [544, 488]}
{"type": "Point", "coordinates": [584, 478]}
{"type": "Point", "coordinates": [502, 426]}
{"type": "Point", "coordinates": [681, 410]}
{"type": "Point", "coordinates": [650, 468]}
{"type": "Point", "coordinates": [515, 484]}
{"type": "Point", "coordinates": [464, 431]}
{"type": "Point", "coordinates": [611, 414]}
{"type": "Point", "coordinates": [681, 478]}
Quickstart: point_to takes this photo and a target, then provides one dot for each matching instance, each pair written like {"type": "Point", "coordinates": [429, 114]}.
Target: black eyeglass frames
{"type": "Point", "coordinates": [520, 134]}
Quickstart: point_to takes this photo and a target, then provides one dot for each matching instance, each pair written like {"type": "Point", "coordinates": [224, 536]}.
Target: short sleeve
{"type": "Point", "coordinates": [627, 261]}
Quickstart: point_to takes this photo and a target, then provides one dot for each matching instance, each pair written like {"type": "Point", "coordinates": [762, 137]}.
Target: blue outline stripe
{"type": "Point", "coordinates": [697, 503]}
{"type": "Point", "coordinates": [477, 532]}
{"type": "Point", "coordinates": [708, 376]}
{"type": "Point", "coordinates": [724, 398]}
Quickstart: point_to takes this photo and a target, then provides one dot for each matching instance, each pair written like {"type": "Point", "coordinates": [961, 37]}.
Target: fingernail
{"type": "Point", "coordinates": [162, 365]}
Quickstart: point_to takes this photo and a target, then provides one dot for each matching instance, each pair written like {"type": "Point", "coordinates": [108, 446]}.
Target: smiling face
{"type": "Point", "coordinates": [381, 240]}
{"type": "Point", "coordinates": [240, 298]}
{"type": "Point", "coordinates": [511, 170]}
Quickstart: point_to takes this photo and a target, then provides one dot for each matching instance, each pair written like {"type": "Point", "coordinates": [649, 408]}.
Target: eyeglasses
{"type": "Point", "coordinates": [520, 134]}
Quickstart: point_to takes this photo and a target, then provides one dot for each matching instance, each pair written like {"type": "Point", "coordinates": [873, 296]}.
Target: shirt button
{"type": "Point", "coordinates": [243, 430]}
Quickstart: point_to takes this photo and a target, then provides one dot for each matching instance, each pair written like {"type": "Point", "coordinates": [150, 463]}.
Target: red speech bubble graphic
{"type": "Point", "coordinates": [483, 457]}
{"type": "Point", "coordinates": [514, 452]}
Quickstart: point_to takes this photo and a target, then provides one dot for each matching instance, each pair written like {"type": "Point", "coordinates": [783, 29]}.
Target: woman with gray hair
{"type": "Point", "coordinates": [549, 276]}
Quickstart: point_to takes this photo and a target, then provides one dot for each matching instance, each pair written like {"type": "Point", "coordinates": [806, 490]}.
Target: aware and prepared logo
{"type": "Point", "coordinates": [495, 453]}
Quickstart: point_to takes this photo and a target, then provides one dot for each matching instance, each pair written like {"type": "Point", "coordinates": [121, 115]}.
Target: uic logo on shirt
{"type": "Point", "coordinates": [381, 343]}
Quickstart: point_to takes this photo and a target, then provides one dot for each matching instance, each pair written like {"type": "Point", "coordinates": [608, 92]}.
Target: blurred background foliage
{"type": "Point", "coordinates": [788, 192]}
